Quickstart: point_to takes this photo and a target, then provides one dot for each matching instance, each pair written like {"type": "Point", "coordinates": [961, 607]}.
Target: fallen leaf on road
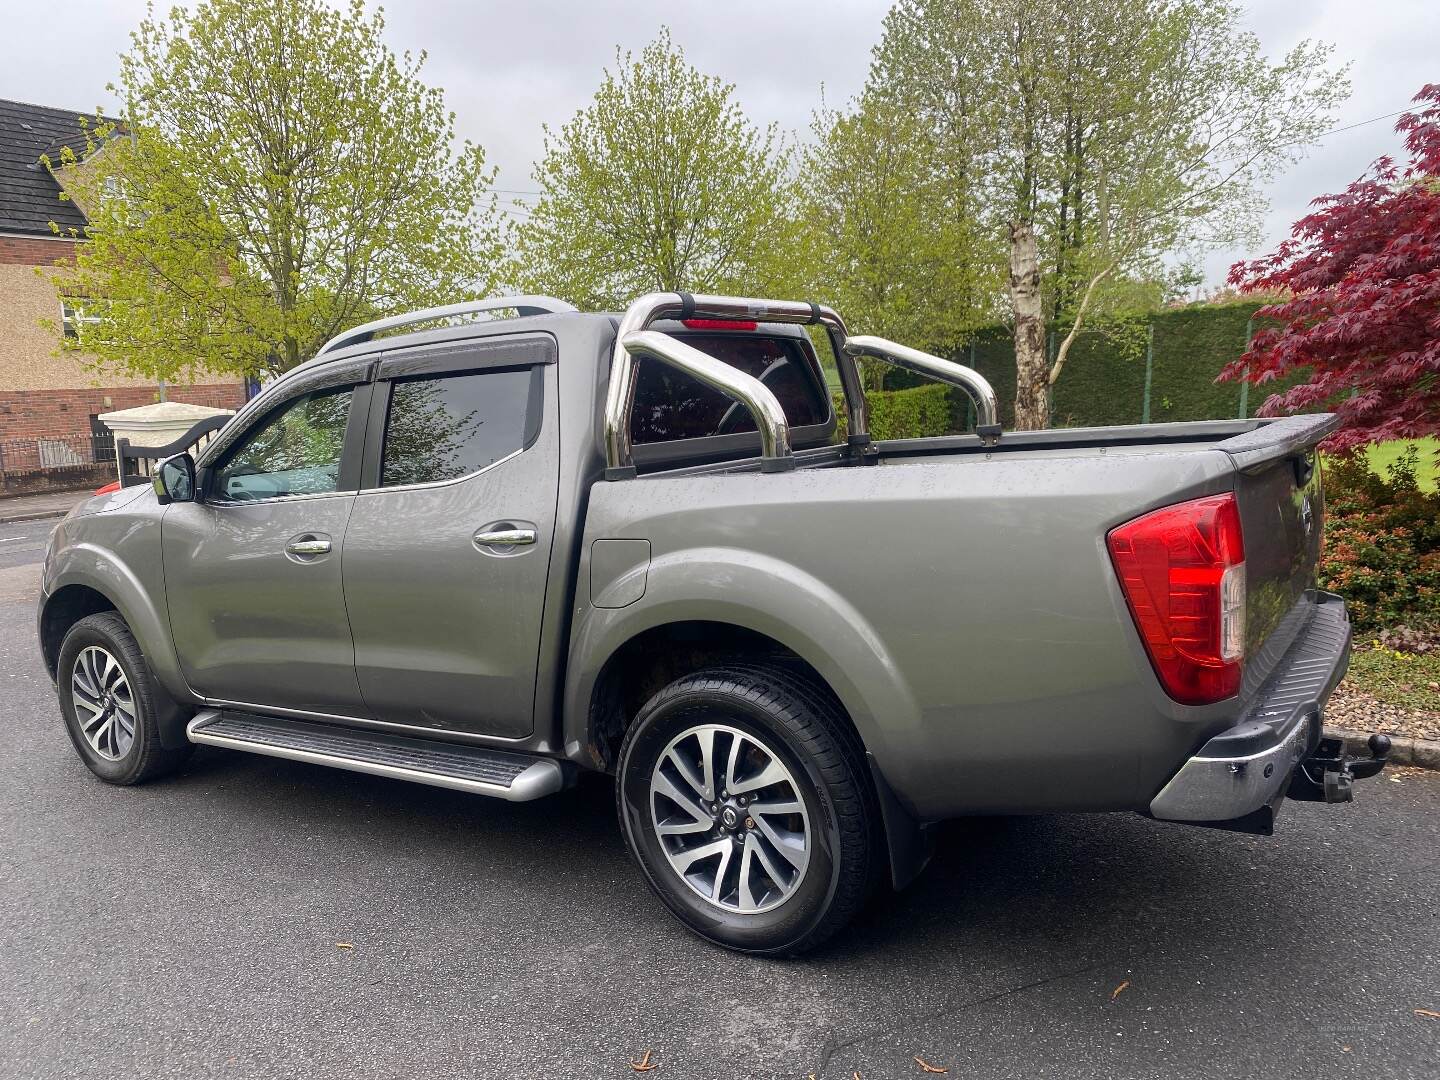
{"type": "Point", "coordinates": [1344, 1049]}
{"type": "Point", "coordinates": [343, 945]}
{"type": "Point", "coordinates": [643, 1065]}
{"type": "Point", "coordinates": [1119, 990]}
{"type": "Point", "coordinates": [1431, 1013]}
{"type": "Point", "coordinates": [925, 1066]}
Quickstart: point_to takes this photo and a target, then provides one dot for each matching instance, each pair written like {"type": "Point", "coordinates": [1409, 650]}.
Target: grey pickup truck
{"type": "Point", "coordinates": [494, 554]}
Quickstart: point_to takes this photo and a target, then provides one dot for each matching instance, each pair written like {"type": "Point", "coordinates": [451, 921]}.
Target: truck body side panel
{"type": "Point", "coordinates": [990, 667]}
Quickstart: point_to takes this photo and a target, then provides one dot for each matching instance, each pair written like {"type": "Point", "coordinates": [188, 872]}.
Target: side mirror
{"type": "Point", "coordinates": [175, 480]}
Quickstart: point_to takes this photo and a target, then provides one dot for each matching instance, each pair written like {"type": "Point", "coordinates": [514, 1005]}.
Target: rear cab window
{"type": "Point", "coordinates": [676, 417]}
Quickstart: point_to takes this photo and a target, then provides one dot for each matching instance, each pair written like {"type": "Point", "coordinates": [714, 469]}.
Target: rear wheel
{"type": "Point", "coordinates": [109, 701]}
{"type": "Point", "coordinates": [743, 795]}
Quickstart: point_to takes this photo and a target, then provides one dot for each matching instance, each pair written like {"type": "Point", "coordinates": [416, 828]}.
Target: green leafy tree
{"type": "Point", "coordinates": [280, 175]}
{"type": "Point", "coordinates": [659, 183]}
{"type": "Point", "coordinates": [1099, 138]}
{"type": "Point", "coordinates": [890, 240]}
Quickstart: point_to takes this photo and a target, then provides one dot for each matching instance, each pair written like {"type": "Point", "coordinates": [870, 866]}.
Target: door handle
{"type": "Point", "coordinates": [517, 537]}
{"type": "Point", "coordinates": [310, 545]}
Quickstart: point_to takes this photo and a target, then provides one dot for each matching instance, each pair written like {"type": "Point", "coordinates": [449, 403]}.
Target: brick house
{"type": "Point", "coordinates": [49, 398]}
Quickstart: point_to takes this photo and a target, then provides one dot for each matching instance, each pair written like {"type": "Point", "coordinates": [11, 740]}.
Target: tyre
{"type": "Point", "coordinates": [744, 795]}
{"type": "Point", "coordinates": [109, 700]}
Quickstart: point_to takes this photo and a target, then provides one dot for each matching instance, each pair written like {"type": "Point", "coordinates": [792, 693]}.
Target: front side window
{"type": "Point", "coordinates": [295, 451]}
{"type": "Point", "coordinates": [670, 404]}
{"type": "Point", "coordinates": [447, 426]}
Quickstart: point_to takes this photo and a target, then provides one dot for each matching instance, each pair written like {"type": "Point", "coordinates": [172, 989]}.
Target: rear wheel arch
{"type": "Point", "coordinates": [655, 657]}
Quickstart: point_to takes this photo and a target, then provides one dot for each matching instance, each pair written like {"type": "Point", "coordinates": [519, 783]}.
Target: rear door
{"type": "Point", "coordinates": [448, 546]}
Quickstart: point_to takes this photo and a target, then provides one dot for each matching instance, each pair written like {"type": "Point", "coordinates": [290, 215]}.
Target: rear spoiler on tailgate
{"type": "Point", "coordinates": [1275, 440]}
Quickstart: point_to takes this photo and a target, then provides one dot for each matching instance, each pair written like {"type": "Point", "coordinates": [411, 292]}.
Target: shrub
{"type": "Point", "coordinates": [904, 414]}
{"type": "Point", "coordinates": [1382, 543]}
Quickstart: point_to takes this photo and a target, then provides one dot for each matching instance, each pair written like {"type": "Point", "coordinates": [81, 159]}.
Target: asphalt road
{"type": "Point", "coordinates": [189, 928]}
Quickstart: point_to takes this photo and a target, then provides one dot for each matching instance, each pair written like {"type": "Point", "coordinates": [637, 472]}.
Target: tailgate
{"type": "Point", "coordinates": [1281, 500]}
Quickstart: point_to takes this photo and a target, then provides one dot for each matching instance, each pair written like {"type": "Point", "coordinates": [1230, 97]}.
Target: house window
{"type": "Point", "coordinates": [75, 315]}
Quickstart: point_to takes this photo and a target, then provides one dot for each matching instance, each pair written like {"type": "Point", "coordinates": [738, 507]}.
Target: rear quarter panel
{"type": "Point", "coordinates": [964, 612]}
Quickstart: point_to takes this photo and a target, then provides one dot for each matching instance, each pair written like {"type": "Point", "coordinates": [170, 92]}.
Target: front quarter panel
{"type": "Point", "coordinates": [116, 552]}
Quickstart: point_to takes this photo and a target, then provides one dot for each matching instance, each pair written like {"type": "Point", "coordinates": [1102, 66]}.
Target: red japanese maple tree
{"type": "Point", "coordinates": [1362, 279]}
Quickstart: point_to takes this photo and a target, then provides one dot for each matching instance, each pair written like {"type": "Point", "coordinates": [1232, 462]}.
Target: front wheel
{"type": "Point", "coordinates": [743, 794]}
{"type": "Point", "coordinates": [110, 702]}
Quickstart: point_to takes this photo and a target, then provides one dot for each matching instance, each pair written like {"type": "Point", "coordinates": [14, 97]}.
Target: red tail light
{"type": "Point", "coordinates": [1182, 569]}
{"type": "Point", "coordinates": [721, 324]}
{"type": "Point", "coordinates": [114, 485]}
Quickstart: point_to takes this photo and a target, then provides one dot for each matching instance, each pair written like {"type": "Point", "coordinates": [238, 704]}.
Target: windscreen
{"type": "Point", "coordinates": [670, 404]}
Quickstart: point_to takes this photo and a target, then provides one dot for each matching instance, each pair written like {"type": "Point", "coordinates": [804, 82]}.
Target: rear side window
{"type": "Point", "coordinates": [447, 426]}
{"type": "Point", "coordinates": [671, 405]}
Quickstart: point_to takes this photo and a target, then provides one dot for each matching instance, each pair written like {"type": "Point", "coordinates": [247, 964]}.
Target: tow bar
{"type": "Point", "coordinates": [1327, 774]}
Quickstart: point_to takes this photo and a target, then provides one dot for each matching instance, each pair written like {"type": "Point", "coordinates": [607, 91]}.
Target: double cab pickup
{"type": "Point", "coordinates": [494, 554]}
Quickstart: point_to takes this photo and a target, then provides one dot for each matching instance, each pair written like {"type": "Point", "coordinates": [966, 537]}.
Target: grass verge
{"type": "Point", "coordinates": [1428, 474]}
{"type": "Point", "coordinates": [1411, 681]}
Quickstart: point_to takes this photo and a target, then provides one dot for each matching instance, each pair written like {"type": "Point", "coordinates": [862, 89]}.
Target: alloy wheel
{"type": "Point", "coordinates": [104, 703]}
{"type": "Point", "coordinates": [730, 818]}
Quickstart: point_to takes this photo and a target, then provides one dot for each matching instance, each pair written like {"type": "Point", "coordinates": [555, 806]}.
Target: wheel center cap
{"type": "Point", "coordinates": [729, 817]}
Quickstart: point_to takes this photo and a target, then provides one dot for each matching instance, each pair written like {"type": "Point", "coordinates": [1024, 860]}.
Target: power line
{"type": "Point", "coordinates": [1357, 124]}
{"type": "Point", "coordinates": [1325, 134]}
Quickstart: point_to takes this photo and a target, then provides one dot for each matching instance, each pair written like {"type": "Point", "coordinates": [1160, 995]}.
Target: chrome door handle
{"type": "Point", "coordinates": [312, 546]}
{"type": "Point", "coordinates": [505, 537]}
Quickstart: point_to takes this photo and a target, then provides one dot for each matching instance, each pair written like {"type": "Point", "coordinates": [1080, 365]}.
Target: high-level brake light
{"type": "Point", "coordinates": [720, 324]}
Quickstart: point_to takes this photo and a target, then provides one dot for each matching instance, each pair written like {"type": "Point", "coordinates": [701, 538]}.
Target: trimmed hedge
{"type": "Point", "coordinates": [1104, 378]}
{"type": "Point", "coordinates": [904, 414]}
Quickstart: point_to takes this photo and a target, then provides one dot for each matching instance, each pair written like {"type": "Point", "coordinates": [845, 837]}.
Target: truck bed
{"type": "Point", "coordinates": [960, 596]}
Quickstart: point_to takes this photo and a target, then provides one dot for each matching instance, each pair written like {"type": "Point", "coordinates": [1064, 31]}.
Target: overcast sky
{"type": "Point", "coordinates": [509, 67]}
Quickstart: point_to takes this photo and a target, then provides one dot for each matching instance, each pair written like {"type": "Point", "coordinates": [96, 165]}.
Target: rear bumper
{"type": "Point", "coordinates": [1241, 775]}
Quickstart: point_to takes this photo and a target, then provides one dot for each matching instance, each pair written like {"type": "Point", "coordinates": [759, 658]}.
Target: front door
{"type": "Point", "coordinates": [447, 553]}
{"type": "Point", "coordinates": [252, 573]}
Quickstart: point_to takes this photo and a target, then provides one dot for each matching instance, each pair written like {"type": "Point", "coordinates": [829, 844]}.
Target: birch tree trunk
{"type": "Point", "coordinates": [1032, 367]}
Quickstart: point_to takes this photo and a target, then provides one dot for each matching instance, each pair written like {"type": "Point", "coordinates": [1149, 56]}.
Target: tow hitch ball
{"type": "Point", "coordinates": [1327, 774]}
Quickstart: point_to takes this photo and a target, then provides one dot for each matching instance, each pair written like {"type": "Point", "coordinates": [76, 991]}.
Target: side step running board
{"type": "Point", "coordinates": [501, 775]}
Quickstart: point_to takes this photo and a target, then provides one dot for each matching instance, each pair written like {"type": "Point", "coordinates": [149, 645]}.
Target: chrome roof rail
{"type": "Point", "coordinates": [523, 305]}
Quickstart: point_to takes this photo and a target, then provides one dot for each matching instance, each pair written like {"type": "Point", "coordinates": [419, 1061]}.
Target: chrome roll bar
{"type": "Point", "coordinates": [987, 408]}
{"type": "Point", "coordinates": [653, 307]}
{"type": "Point", "coordinates": [746, 389]}
{"type": "Point", "coordinates": [632, 340]}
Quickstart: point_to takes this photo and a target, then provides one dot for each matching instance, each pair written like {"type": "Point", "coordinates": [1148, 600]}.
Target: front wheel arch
{"type": "Point", "coordinates": [70, 604]}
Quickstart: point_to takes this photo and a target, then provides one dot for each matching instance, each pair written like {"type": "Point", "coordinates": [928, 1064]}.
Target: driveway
{"type": "Point", "coordinates": [191, 927]}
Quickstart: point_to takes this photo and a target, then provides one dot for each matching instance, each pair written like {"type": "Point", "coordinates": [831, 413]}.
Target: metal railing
{"type": "Point", "coordinates": [136, 464]}
{"type": "Point", "coordinates": [633, 339]}
{"type": "Point", "coordinates": [55, 453]}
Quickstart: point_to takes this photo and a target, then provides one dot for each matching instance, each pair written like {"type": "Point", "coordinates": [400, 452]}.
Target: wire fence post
{"type": "Point", "coordinates": [1049, 386]}
{"type": "Point", "coordinates": [969, 401]}
{"type": "Point", "coordinates": [1149, 371]}
{"type": "Point", "coordinates": [1245, 374]}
